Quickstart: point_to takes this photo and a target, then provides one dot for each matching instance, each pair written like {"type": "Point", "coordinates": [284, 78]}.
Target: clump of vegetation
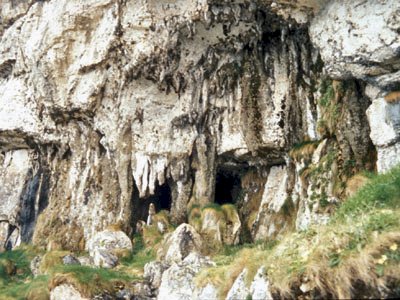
{"type": "Point", "coordinates": [356, 254]}
{"type": "Point", "coordinates": [16, 280]}
{"type": "Point", "coordinates": [152, 236]}
{"type": "Point", "coordinates": [139, 256]}
{"type": "Point", "coordinates": [303, 150]}
{"type": "Point", "coordinates": [89, 281]}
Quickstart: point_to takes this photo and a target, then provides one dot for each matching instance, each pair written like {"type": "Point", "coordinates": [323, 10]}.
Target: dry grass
{"type": "Point", "coordinates": [89, 281]}
{"type": "Point", "coordinates": [152, 237]}
{"type": "Point", "coordinates": [50, 260]}
{"type": "Point", "coordinates": [355, 183]}
{"type": "Point", "coordinates": [304, 150]}
{"type": "Point", "coordinates": [393, 97]}
{"type": "Point", "coordinates": [325, 258]}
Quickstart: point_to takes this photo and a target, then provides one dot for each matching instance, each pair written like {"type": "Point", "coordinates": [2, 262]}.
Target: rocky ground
{"type": "Point", "coordinates": [199, 149]}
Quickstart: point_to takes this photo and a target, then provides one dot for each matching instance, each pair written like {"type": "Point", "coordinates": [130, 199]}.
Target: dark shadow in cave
{"type": "Point", "coordinates": [161, 198]}
{"type": "Point", "coordinates": [227, 186]}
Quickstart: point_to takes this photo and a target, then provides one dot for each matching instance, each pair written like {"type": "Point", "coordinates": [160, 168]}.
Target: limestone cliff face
{"type": "Point", "coordinates": [106, 106]}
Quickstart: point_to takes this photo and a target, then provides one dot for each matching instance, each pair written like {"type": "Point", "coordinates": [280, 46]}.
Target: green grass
{"type": "Point", "coordinates": [327, 93]}
{"type": "Point", "coordinates": [140, 255]}
{"type": "Point", "coordinates": [383, 191]}
{"type": "Point", "coordinates": [35, 288]}
{"type": "Point", "coordinates": [16, 280]}
{"type": "Point", "coordinates": [87, 275]}
{"type": "Point", "coordinates": [214, 206]}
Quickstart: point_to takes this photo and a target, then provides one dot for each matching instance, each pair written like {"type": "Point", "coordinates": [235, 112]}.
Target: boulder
{"type": "Point", "coordinates": [65, 291]}
{"type": "Point", "coordinates": [85, 260]}
{"type": "Point", "coordinates": [106, 245]}
{"type": "Point", "coordinates": [142, 291]}
{"type": "Point", "coordinates": [260, 287]}
{"type": "Point", "coordinates": [219, 225]}
{"type": "Point", "coordinates": [35, 265]}
{"type": "Point", "coordinates": [105, 259]}
{"type": "Point", "coordinates": [153, 272]}
{"type": "Point", "coordinates": [178, 281]}
{"type": "Point", "coordinates": [239, 290]}
{"type": "Point", "coordinates": [208, 292]}
{"type": "Point", "coordinates": [179, 244]}
{"type": "Point", "coordinates": [70, 260]}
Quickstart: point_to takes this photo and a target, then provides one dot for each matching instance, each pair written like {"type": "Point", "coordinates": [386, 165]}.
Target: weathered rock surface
{"type": "Point", "coordinates": [361, 39]}
{"type": "Point", "coordinates": [177, 245]}
{"type": "Point", "coordinates": [239, 290]}
{"type": "Point", "coordinates": [260, 286]}
{"type": "Point", "coordinates": [207, 292]}
{"type": "Point", "coordinates": [35, 265]}
{"type": "Point", "coordinates": [106, 245]}
{"type": "Point", "coordinates": [86, 83]}
{"type": "Point", "coordinates": [65, 291]}
{"type": "Point", "coordinates": [70, 260]}
{"type": "Point", "coordinates": [178, 281]}
{"type": "Point", "coordinates": [153, 272]}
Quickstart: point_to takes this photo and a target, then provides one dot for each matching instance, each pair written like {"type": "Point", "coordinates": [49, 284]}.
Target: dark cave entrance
{"type": "Point", "coordinates": [162, 200]}
{"type": "Point", "coordinates": [227, 186]}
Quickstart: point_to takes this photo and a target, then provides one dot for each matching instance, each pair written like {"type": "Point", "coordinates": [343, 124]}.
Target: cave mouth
{"type": "Point", "coordinates": [227, 186]}
{"type": "Point", "coordinates": [162, 200]}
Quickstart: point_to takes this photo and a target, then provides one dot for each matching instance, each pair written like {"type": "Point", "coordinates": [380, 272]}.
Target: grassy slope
{"type": "Point", "coordinates": [358, 250]}
{"type": "Point", "coordinates": [17, 282]}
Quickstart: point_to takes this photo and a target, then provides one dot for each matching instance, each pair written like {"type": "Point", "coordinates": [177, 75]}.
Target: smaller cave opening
{"type": "Point", "coordinates": [227, 186]}
{"type": "Point", "coordinates": [162, 200]}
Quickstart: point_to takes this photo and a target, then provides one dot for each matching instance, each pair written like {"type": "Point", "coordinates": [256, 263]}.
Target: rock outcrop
{"type": "Point", "coordinates": [177, 245]}
{"type": "Point", "coordinates": [177, 281]}
{"type": "Point", "coordinates": [106, 246]}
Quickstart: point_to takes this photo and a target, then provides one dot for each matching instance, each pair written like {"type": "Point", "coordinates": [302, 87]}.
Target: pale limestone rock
{"type": "Point", "coordinates": [153, 272]}
{"type": "Point", "coordinates": [260, 286]}
{"type": "Point", "coordinates": [221, 226]}
{"type": "Point", "coordinates": [388, 157]}
{"type": "Point", "coordinates": [178, 281]}
{"type": "Point", "coordinates": [65, 291]}
{"type": "Point", "coordinates": [85, 260]}
{"type": "Point", "coordinates": [104, 246]}
{"type": "Point", "coordinates": [212, 224]}
{"type": "Point", "coordinates": [104, 259]}
{"type": "Point", "coordinates": [86, 80]}
{"type": "Point", "coordinates": [35, 265]}
{"type": "Point", "coordinates": [208, 292]}
{"type": "Point", "coordinates": [274, 196]}
{"type": "Point", "coordinates": [111, 99]}
{"type": "Point", "coordinates": [177, 245]}
{"type": "Point", "coordinates": [239, 290]}
{"type": "Point", "coordinates": [384, 120]}
{"type": "Point", "coordinates": [70, 260]}
{"type": "Point", "coordinates": [358, 38]}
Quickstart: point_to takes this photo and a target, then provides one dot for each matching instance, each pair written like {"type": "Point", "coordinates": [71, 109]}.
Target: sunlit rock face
{"type": "Point", "coordinates": [361, 39]}
{"type": "Point", "coordinates": [108, 106]}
